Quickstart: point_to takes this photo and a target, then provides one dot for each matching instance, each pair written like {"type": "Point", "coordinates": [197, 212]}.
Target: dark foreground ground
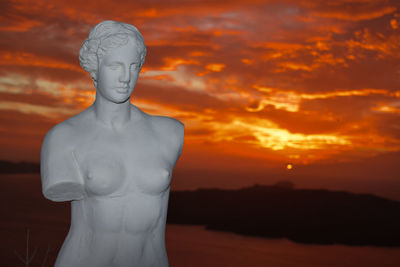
{"type": "Point", "coordinates": [304, 216]}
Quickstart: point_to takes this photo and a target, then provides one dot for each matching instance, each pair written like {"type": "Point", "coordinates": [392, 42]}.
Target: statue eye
{"type": "Point", "coordinates": [114, 66]}
{"type": "Point", "coordinates": [134, 66]}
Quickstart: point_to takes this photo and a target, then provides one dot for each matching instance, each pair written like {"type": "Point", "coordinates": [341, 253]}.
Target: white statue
{"type": "Point", "coordinates": [112, 161]}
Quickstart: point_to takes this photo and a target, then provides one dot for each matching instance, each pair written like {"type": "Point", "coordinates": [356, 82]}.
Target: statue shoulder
{"type": "Point", "coordinates": [59, 134]}
{"type": "Point", "coordinates": [65, 132]}
{"type": "Point", "coordinates": [168, 126]}
{"type": "Point", "coordinates": [167, 122]}
{"type": "Point", "coordinates": [171, 131]}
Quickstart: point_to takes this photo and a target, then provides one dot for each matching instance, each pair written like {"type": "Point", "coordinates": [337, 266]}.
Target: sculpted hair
{"type": "Point", "coordinates": [105, 36]}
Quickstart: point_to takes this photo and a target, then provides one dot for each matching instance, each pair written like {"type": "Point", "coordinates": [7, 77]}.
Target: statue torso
{"type": "Point", "coordinates": [119, 162]}
{"type": "Point", "coordinates": [126, 173]}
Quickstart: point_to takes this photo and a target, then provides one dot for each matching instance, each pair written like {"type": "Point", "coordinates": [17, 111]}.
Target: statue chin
{"type": "Point", "coordinates": [113, 162]}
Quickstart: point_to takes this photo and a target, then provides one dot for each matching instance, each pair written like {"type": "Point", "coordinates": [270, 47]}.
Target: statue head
{"type": "Point", "coordinates": [104, 37]}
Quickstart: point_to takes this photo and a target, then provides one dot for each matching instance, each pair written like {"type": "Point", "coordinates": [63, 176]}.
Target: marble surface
{"type": "Point", "coordinates": [113, 161]}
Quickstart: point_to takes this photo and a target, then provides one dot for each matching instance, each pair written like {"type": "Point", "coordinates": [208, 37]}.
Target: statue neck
{"type": "Point", "coordinates": [114, 115]}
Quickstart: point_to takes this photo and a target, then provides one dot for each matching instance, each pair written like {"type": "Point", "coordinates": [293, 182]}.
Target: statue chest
{"type": "Point", "coordinates": [117, 165]}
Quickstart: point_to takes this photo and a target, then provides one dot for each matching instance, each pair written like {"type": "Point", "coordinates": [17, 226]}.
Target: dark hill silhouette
{"type": "Point", "coordinates": [301, 215]}
{"type": "Point", "coordinates": [278, 211]}
{"type": "Point", "coordinates": [19, 167]}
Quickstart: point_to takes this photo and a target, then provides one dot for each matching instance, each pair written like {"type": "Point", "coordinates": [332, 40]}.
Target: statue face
{"type": "Point", "coordinates": [118, 73]}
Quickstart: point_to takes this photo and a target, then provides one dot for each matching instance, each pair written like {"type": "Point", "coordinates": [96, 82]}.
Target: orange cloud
{"type": "Point", "coordinates": [28, 59]}
{"type": "Point", "coordinates": [171, 64]}
{"type": "Point", "coordinates": [215, 67]}
{"type": "Point", "coordinates": [257, 78]}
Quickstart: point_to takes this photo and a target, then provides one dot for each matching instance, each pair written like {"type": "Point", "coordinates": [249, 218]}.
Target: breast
{"type": "Point", "coordinates": [153, 178]}
{"type": "Point", "coordinates": [104, 174]}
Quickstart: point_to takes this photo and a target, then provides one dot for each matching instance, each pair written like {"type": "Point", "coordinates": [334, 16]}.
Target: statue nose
{"type": "Point", "coordinates": [125, 76]}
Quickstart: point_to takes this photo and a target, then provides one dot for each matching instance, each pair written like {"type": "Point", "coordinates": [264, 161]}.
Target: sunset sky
{"type": "Point", "coordinates": [258, 84]}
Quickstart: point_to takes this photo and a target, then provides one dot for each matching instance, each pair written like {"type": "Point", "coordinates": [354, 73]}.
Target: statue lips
{"type": "Point", "coordinates": [122, 90]}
